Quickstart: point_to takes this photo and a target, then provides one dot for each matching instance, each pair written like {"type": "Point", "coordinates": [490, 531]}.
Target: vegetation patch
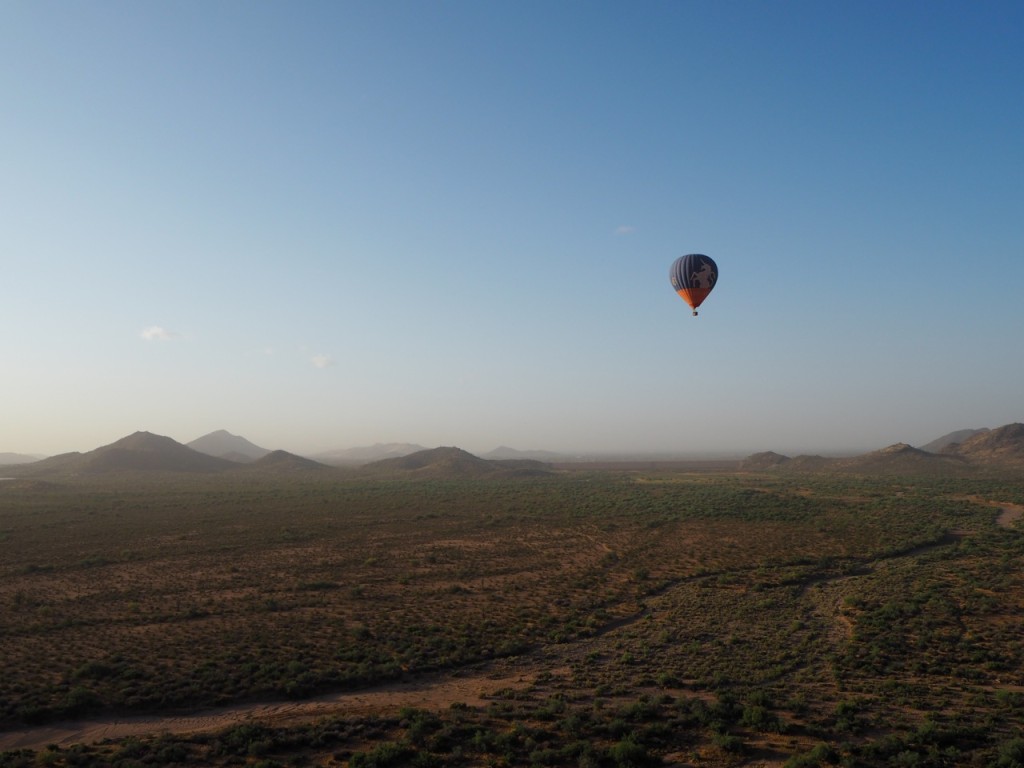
{"type": "Point", "coordinates": [658, 617]}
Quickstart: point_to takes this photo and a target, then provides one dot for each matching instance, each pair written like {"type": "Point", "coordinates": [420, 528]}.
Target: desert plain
{"type": "Point", "coordinates": [440, 616]}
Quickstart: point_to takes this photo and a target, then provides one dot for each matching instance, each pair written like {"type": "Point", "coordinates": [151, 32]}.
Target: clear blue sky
{"type": "Point", "coordinates": [330, 224]}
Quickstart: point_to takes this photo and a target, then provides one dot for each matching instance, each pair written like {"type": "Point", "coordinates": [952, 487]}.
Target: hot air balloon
{"type": "Point", "coordinates": [693, 276]}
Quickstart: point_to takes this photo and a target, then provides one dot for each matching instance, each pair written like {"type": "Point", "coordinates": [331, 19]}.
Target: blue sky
{"type": "Point", "coordinates": [330, 224]}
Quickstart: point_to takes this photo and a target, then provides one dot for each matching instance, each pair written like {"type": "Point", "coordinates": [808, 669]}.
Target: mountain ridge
{"type": "Point", "coordinates": [9, 459]}
{"type": "Point", "coordinates": [1002, 444]}
{"type": "Point", "coordinates": [449, 461]}
{"type": "Point", "coordinates": [958, 436]}
{"type": "Point", "coordinates": [225, 445]}
{"type": "Point", "coordinates": [442, 460]}
{"type": "Point", "coordinates": [999, 448]}
{"type": "Point", "coordinates": [139, 451]}
{"type": "Point", "coordinates": [282, 461]}
{"type": "Point", "coordinates": [366, 453]}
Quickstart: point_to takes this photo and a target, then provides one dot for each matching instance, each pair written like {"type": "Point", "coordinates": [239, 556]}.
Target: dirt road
{"type": "Point", "coordinates": [432, 693]}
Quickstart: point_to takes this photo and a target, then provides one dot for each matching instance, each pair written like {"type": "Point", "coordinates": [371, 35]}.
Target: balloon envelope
{"type": "Point", "coordinates": [693, 276]}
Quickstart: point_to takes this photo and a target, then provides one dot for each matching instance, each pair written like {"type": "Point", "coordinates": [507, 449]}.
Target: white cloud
{"type": "Point", "coordinates": [157, 333]}
{"type": "Point", "coordinates": [624, 229]}
{"type": "Point", "coordinates": [321, 361]}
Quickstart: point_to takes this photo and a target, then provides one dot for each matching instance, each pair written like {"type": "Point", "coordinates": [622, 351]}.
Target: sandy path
{"type": "Point", "coordinates": [434, 693]}
{"type": "Point", "coordinates": [1009, 514]}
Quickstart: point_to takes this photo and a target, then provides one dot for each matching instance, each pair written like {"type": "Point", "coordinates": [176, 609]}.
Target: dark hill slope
{"type": "Point", "coordinates": [898, 459]}
{"type": "Point", "coordinates": [284, 462]}
{"type": "Point", "coordinates": [901, 459]}
{"type": "Point", "coordinates": [981, 450]}
{"type": "Point", "coordinates": [454, 463]}
{"type": "Point", "coordinates": [764, 460]}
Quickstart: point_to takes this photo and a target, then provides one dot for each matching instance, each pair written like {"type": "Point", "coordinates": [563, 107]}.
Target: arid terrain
{"type": "Point", "coordinates": [457, 615]}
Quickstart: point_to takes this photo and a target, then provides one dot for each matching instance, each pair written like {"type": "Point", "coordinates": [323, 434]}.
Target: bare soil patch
{"type": "Point", "coordinates": [1009, 514]}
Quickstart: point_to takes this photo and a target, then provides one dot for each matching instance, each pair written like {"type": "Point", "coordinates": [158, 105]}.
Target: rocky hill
{"type": "Point", "coordinates": [367, 454]}
{"type": "Point", "coordinates": [225, 445]}
{"type": "Point", "coordinates": [985, 449]}
{"type": "Point", "coordinates": [940, 443]}
{"type": "Point", "coordinates": [1001, 446]}
{"type": "Point", "coordinates": [763, 460]}
{"type": "Point", "coordinates": [17, 458]}
{"type": "Point", "coordinates": [447, 461]}
{"type": "Point", "coordinates": [141, 451]}
{"type": "Point", "coordinates": [450, 462]}
{"type": "Point", "coordinates": [144, 451]}
{"type": "Point", "coordinates": [898, 459]}
{"type": "Point", "coordinates": [981, 450]}
{"type": "Point", "coordinates": [903, 459]}
{"type": "Point", "coordinates": [282, 461]}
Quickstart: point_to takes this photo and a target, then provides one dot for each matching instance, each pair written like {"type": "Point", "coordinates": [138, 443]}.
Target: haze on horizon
{"type": "Point", "coordinates": [340, 224]}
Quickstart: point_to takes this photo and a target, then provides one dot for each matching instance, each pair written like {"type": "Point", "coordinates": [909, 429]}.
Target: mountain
{"type": "Point", "coordinates": [367, 454]}
{"type": "Point", "coordinates": [504, 452]}
{"type": "Point", "coordinates": [937, 445]}
{"type": "Point", "coordinates": [227, 446]}
{"type": "Point", "coordinates": [897, 459]}
{"type": "Point", "coordinates": [282, 461]}
{"type": "Point", "coordinates": [454, 463]}
{"type": "Point", "coordinates": [17, 458]}
{"type": "Point", "coordinates": [435, 461]}
{"type": "Point", "coordinates": [764, 460]}
{"type": "Point", "coordinates": [901, 458]}
{"type": "Point", "coordinates": [806, 462]}
{"type": "Point", "coordinates": [1002, 446]}
{"type": "Point", "coordinates": [772, 460]}
{"type": "Point", "coordinates": [141, 451]}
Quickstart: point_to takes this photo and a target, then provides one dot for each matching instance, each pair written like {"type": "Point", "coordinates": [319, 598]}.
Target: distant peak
{"type": "Point", "coordinates": [142, 440]}
{"type": "Point", "coordinates": [223, 443]}
{"type": "Point", "coordinates": [897, 448]}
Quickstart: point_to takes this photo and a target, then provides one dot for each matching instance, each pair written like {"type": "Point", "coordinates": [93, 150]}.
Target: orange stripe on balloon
{"type": "Point", "coordinates": [694, 296]}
